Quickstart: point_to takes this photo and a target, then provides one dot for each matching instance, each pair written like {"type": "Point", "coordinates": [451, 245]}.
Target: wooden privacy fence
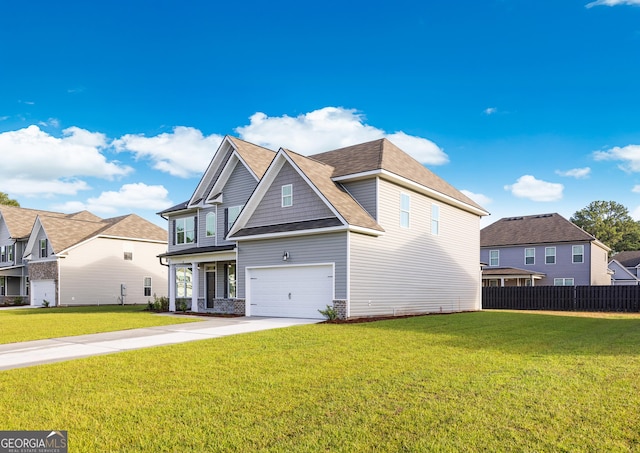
{"type": "Point", "coordinates": [563, 298]}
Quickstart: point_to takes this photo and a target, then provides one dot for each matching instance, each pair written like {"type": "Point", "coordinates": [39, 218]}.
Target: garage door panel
{"type": "Point", "coordinates": [42, 290]}
{"type": "Point", "coordinates": [296, 291]}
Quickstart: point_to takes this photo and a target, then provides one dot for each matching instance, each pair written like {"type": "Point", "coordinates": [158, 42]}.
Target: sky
{"type": "Point", "coordinates": [117, 107]}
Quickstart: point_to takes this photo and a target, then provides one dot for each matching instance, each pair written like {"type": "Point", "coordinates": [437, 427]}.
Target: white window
{"type": "Point", "coordinates": [2, 289]}
{"type": "Point", "coordinates": [435, 219]}
{"type": "Point", "coordinates": [10, 252]}
{"type": "Point", "coordinates": [494, 257]}
{"type": "Point", "coordinates": [183, 282]}
{"type": "Point", "coordinates": [550, 255]}
{"type": "Point", "coordinates": [43, 248]}
{"type": "Point", "coordinates": [211, 224]}
{"type": "Point", "coordinates": [530, 256]}
{"type": "Point", "coordinates": [577, 252]}
{"type": "Point", "coordinates": [185, 230]}
{"type": "Point", "coordinates": [563, 282]}
{"type": "Point", "coordinates": [147, 286]}
{"type": "Point", "coordinates": [128, 256]}
{"type": "Point", "coordinates": [3, 254]}
{"type": "Point", "coordinates": [405, 210]}
{"type": "Point", "coordinates": [232, 214]}
{"type": "Point", "coordinates": [287, 195]}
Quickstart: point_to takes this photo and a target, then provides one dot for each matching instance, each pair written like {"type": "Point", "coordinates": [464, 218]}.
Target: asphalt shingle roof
{"type": "Point", "coordinates": [628, 258]}
{"type": "Point", "coordinates": [533, 229]}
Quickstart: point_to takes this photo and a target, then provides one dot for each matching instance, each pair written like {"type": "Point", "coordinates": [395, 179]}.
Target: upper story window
{"type": "Point", "coordinates": [530, 256]}
{"type": "Point", "coordinates": [3, 253]}
{"type": "Point", "coordinates": [287, 195]}
{"type": "Point", "coordinates": [494, 257]}
{"type": "Point", "coordinates": [405, 210]}
{"type": "Point", "coordinates": [211, 224]}
{"type": "Point", "coordinates": [550, 255]}
{"type": "Point", "coordinates": [435, 219]}
{"type": "Point", "coordinates": [44, 252]}
{"type": "Point", "coordinates": [577, 252]}
{"type": "Point", "coordinates": [10, 252]}
{"type": "Point", "coordinates": [232, 214]}
{"type": "Point", "coordinates": [185, 230]}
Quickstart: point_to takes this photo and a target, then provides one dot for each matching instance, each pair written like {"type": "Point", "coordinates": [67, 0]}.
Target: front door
{"type": "Point", "coordinates": [211, 288]}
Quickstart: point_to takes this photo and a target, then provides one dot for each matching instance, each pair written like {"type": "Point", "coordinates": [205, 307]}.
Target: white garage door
{"type": "Point", "coordinates": [42, 290]}
{"type": "Point", "coordinates": [290, 291]}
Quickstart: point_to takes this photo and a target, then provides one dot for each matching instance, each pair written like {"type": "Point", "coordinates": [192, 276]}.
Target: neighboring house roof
{"type": "Point", "coordinates": [628, 258]}
{"type": "Point", "coordinates": [509, 271]}
{"type": "Point", "coordinates": [533, 229]}
{"type": "Point", "coordinates": [615, 266]}
{"type": "Point", "coordinates": [66, 232]}
{"type": "Point", "coordinates": [383, 155]}
{"type": "Point", "coordinates": [20, 221]}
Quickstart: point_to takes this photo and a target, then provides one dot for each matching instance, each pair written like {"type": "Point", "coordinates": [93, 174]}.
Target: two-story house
{"type": "Point", "coordinates": [366, 230]}
{"type": "Point", "coordinates": [625, 268]}
{"type": "Point", "coordinates": [80, 259]}
{"type": "Point", "coordinates": [544, 249]}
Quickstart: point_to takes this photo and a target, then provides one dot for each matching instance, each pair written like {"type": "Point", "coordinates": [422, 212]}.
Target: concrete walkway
{"type": "Point", "coordinates": [29, 353]}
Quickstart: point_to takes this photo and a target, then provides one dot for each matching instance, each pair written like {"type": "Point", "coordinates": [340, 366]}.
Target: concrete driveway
{"type": "Point", "coordinates": [29, 353]}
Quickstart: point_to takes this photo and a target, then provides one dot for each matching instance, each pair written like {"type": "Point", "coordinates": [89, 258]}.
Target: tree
{"type": "Point", "coordinates": [4, 199]}
{"type": "Point", "coordinates": [611, 224]}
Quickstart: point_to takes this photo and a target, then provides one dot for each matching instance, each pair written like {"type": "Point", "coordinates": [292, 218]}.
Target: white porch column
{"type": "Point", "coordinates": [533, 281]}
{"type": "Point", "coordinates": [501, 281]}
{"type": "Point", "coordinates": [195, 285]}
{"type": "Point", "coordinates": [172, 287]}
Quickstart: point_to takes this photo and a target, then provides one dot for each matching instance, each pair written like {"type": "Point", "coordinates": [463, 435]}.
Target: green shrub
{"type": "Point", "coordinates": [330, 313]}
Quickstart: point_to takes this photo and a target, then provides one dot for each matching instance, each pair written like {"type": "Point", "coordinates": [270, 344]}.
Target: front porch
{"type": "Point", "coordinates": [204, 282]}
{"type": "Point", "coordinates": [14, 285]}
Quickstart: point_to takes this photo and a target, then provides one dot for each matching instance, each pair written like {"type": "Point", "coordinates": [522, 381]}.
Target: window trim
{"type": "Point", "coordinates": [532, 256]}
{"type": "Point", "coordinates": [214, 216]}
{"type": "Point", "coordinates": [564, 281]}
{"type": "Point", "coordinates": [185, 231]}
{"type": "Point", "coordinates": [405, 214]}
{"type": "Point", "coordinates": [3, 253]}
{"type": "Point", "coordinates": [230, 223]}
{"type": "Point", "coordinates": [435, 219]}
{"type": "Point", "coordinates": [145, 286]}
{"type": "Point", "coordinates": [44, 248]}
{"type": "Point", "coordinates": [574, 254]}
{"type": "Point", "coordinates": [286, 199]}
{"type": "Point", "coordinates": [10, 252]}
{"type": "Point", "coordinates": [188, 270]}
{"type": "Point", "coordinates": [497, 258]}
{"type": "Point", "coordinates": [547, 255]}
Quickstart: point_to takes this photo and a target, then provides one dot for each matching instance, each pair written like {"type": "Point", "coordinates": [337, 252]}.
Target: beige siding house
{"type": "Point", "coordinates": [81, 259]}
{"type": "Point", "coordinates": [365, 230]}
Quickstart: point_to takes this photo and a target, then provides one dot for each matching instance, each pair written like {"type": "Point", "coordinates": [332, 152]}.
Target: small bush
{"type": "Point", "coordinates": [159, 304]}
{"type": "Point", "coordinates": [45, 303]}
{"type": "Point", "coordinates": [181, 305]}
{"type": "Point", "coordinates": [330, 313]}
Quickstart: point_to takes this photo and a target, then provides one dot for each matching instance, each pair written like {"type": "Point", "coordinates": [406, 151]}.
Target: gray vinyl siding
{"type": "Point", "coordinates": [365, 192]}
{"type": "Point", "coordinates": [313, 249]}
{"type": "Point", "coordinates": [216, 175]}
{"type": "Point", "coordinates": [5, 240]}
{"type": "Point", "coordinates": [236, 192]}
{"type": "Point", "coordinates": [172, 246]}
{"type": "Point", "coordinates": [409, 270]}
{"type": "Point", "coordinates": [307, 205]}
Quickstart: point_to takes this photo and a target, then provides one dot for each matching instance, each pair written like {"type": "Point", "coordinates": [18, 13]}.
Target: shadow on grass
{"type": "Point", "coordinates": [525, 333]}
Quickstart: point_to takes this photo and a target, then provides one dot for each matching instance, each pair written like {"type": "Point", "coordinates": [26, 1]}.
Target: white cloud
{"type": "Point", "coordinates": [50, 122]}
{"type": "Point", "coordinates": [35, 162]}
{"type": "Point", "coordinates": [490, 111]}
{"type": "Point", "coordinates": [578, 173]}
{"type": "Point", "coordinates": [612, 3]}
{"type": "Point", "coordinates": [331, 128]}
{"type": "Point", "coordinates": [130, 196]}
{"type": "Point", "coordinates": [536, 190]}
{"type": "Point", "coordinates": [479, 198]}
{"type": "Point", "coordinates": [629, 155]}
{"type": "Point", "coordinates": [184, 153]}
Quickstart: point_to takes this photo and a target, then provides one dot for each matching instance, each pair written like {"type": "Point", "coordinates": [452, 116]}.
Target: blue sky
{"type": "Point", "coordinates": [117, 107]}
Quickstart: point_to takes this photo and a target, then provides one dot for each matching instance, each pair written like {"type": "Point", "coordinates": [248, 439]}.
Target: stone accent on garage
{"type": "Point", "coordinates": [239, 306]}
{"type": "Point", "coordinates": [224, 306]}
{"type": "Point", "coordinates": [340, 306]}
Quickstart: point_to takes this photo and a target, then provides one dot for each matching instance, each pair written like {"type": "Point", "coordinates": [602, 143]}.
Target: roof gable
{"type": "Point", "coordinates": [628, 258]}
{"type": "Point", "coordinates": [19, 221]}
{"type": "Point", "coordinates": [382, 156]}
{"type": "Point", "coordinates": [533, 229]}
{"type": "Point", "coordinates": [231, 151]}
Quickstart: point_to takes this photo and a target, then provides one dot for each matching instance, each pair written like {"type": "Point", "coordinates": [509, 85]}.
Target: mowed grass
{"type": "Point", "coordinates": [487, 381]}
{"type": "Point", "coordinates": [25, 324]}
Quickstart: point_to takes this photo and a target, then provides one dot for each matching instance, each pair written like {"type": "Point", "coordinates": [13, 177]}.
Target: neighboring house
{"type": "Point", "coordinates": [366, 230]}
{"type": "Point", "coordinates": [624, 266]}
{"type": "Point", "coordinates": [81, 259]}
{"type": "Point", "coordinates": [544, 249]}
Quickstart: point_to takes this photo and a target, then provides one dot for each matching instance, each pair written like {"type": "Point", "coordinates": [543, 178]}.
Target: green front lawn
{"type": "Point", "coordinates": [488, 381]}
{"type": "Point", "coordinates": [24, 324]}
